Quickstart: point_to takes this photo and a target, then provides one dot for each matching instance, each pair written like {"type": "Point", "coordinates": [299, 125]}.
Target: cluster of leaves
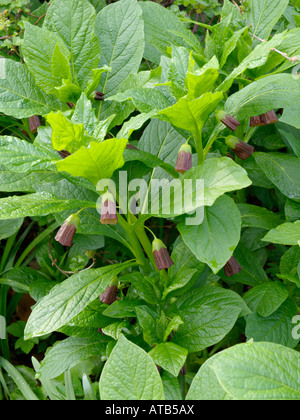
{"type": "Point", "coordinates": [83, 75]}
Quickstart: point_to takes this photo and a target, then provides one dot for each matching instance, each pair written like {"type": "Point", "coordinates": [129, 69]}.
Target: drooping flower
{"type": "Point", "coordinates": [108, 210]}
{"type": "Point", "coordinates": [228, 120]}
{"type": "Point", "coordinates": [232, 267]}
{"type": "Point", "coordinates": [34, 123]}
{"type": "Point", "coordinates": [64, 153]}
{"type": "Point", "coordinates": [98, 96]}
{"type": "Point", "coordinates": [67, 231]}
{"type": "Point", "coordinates": [264, 119]}
{"type": "Point", "coordinates": [161, 255]}
{"type": "Point", "coordinates": [184, 159]}
{"type": "Point", "coordinates": [240, 148]}
{"type": "Point", "coordinates": [110, 295]}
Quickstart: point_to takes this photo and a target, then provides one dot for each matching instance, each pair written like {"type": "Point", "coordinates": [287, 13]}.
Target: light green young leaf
{"type": "Point", "coordinates": [96, 162]}
{"type": "Point", "coordinates": [66, 300]}
{"type": "Point", "coordinates": [214, 241]}
{"type": "Point", "coordinates": [130, 374]}
{"type": "Point", "coordinates": [191, 115]}
{"type": "Point", "coordinates": [74, 22]}
{"type": "Point", "coordinates": [169, 356]}
{"type": "Point", "coordinates": [85, 114]}
{"type": "Point", "coordinates": [65, 134]}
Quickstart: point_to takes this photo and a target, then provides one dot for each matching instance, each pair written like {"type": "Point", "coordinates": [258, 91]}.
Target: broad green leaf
{"type": "Point", "coordinates": [202, 80]}
{"type": "Point", "coordinates": [168, 30]}
{"type": "Point", "coordinates": [289, 264]}
{"type": "Point", "coordinates": [182, 278]}
{"type": "Point", "coordinates": [39, 204]}
{"type": "Point", "coordinates": [178, 70]}
{"type": "Point", "coordinates": [68, 353]}
{"type": "Point", "coordinates": [255, 59]}
{"type": "Point", "coordinates": [9, 227]}
{"type": "Point", "coordinates": [65, 134]}
{"type": "Point", "coordinates": [171, 387]}
{"type": "Point", "coordinates": [85, 114]}
{"type": "Point", "coordinates": [120, 30]}
{"type": "Point", "coordinates": [144, 286]}
{"type": "Point", "coordinates": [208, 314]}
{"type": "Point", "coordinates": [68, 299]}
{"type": "Point", "coordinates": [206, 386]}
{"type": "Point", "coordinates": [21, 156]}
{"type": "Point", "coordinates": [290, 136]}
{"type": "Point", "coordinates": [254, 216]}
{"type": "Point", "coordinates": [114, 330]}
{"type": "Point", "coordinates": [169, 356]}
{"type": "Point", "coordinates": [286, 234]}
{"type": "Point", "coordinates": [130, 374]}
{"type": "Point", "coordinates": [26, 182]}
{"type": "Point", "coordinates": [283, 171]}
{"type": "Point", "coordinates": [270, 92]}
{"type": "Point", "coordinates": [20, 97]}
{"type": "Point", "coordinates": [250, 371]}
{"type": "Point", "coordinates": [96, 162]}
{"type": "Point", "coordinates": [146, 100]}
{"type": "Point", "coordinates": [275, 328]}
{"type": "Point", "coordinates": [43, 51]}
{"type": "Point", "coordinates": [264, 14]}
{"type": "Point", "coordinates": [134, 124]}
{"type": "Point", "coordinates": [230, 45]}
{"type": "Point", "coordinates": [74, 22]}
{"type": "Point", "coordinates": [191, 115]}
{"type": "Point", "coordinates": [219, 175]}
{"type": "Point", "coordinates": [292, 210]}
{"type": "Point", "coordinates": [266, 298]}
{"type": "Point", "coordinates": [215, 239]}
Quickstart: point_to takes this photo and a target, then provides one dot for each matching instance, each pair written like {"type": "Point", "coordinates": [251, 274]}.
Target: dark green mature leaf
{"type": "Point", "coordinates": [208, 314]}
{"type": "Point", "coordinates": [120, 30]}
{"type": "Point", "coordinates": [74, 22]}
{"type": "Point", "coordinates": [266, 298]}
{"type": "Point", "coordinates": [20, 97]}
{"type": "Point", "coordinates": [286, 234]}
{"type": "Point", "coordinates": [9, 227]}
{"type": "Point", "coordinates": [275, 328]}
{"type": "Point", "coordinates": [39, 204]}
{"type": "Point", "coordinates": [214, 240]}
{"type": "Point", "coordinates": [270, 92]}
{"type": "Point", "coordinates": [169, 356]}
{"type": "Point", "coordinates": [130, 374]}
{"type": "Point", "coordinates": [68, 353]}
{"type": "Point", "coordinates": [264, 14]}
{"type": "Point", "coordinates": [254, 216]}
{"type": "Point", "coordinates": [68, 299]}
{"type": "Point", "coordinates": [162, 29]}
{"type": "Point", "coordinates": [251, 371]}
{"type": "Point", "coordinates": [282, 170]}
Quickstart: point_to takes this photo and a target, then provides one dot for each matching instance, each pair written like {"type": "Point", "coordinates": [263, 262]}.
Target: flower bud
{"type": "Point", "coordinates": [108, 210]}
{"type": "Point", "coordinates": [98, 96]}
{"type": "Point", "coordinates": [70, 105]}
{"type": "Point", "coordinates": [67, 231]}
{"type": "Point", "coordinates": [161, 255]}
{"type": "Point", "coordinates": [228, 120]}
{"type": "Point", "coordinates": [184, 159]}
{"type": "Point", "coordinates": [240, 148]}
{"type": "Point", "coordinates": [232, 267]}
{"type": "Point", "coordinates": [264, 119]}
{"type": "Point", "coordinates": [131, 147]}
{"type": "Point", "coordinates": [34, 123]}
{"type": "Point", "coordinates": [64, 153]}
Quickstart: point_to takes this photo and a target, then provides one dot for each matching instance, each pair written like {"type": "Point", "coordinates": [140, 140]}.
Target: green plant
{"type": "Point", "coordinates": [183, 275]}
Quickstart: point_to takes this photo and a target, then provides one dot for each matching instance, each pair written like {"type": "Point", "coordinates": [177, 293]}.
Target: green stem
{"type": "Point", "coordinates": [27, 129]}
{"type": "Point", "coordinates": [136, 247]}
{"type": "Point", "coordinates": [213, 137]}
{"type": "Point", "coordinates": [199, 146]}
{"type": "Point", "coordinates": [146, 244]}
